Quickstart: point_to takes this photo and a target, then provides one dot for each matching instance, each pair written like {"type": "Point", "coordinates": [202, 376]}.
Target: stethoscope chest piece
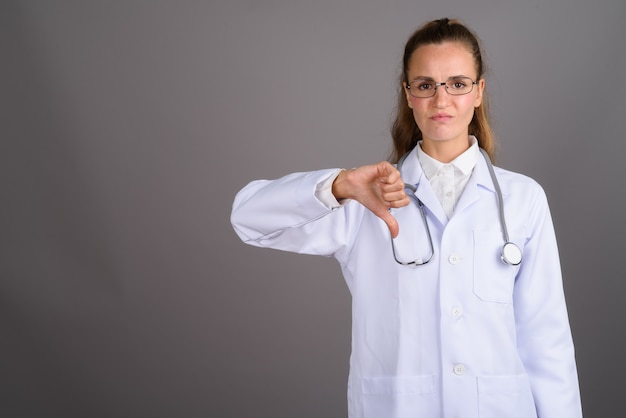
{"type": "Point", "coordinates": [511, 254]}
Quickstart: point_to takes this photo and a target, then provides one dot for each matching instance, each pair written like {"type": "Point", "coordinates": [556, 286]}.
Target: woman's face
{"type": "Point", "coordinates": [443, 118]}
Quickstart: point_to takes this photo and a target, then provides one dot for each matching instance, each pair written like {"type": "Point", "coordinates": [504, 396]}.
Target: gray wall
{"type": "Point", "coordinates": [127, 127]}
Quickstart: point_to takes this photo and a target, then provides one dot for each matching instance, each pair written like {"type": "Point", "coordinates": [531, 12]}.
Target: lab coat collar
{"type": "Point", "coordinates": [412, 173]}
{"type": "Point", "coordinates": [480, 178]}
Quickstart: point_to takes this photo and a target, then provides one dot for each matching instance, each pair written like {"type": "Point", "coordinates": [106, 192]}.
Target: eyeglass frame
{"type": "Point", "coordinates": [443, 83]}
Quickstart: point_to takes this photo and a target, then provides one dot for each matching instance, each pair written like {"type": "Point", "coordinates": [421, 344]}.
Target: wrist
{"type": "Point", "coordinates": [341, 185]}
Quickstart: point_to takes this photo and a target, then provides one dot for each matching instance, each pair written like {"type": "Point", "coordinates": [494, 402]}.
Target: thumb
{"type": "Point", "coordinates": [391, 222]}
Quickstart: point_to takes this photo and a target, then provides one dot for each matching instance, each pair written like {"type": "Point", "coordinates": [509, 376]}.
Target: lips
{"type": "Point", "coordinates": [441, 117]}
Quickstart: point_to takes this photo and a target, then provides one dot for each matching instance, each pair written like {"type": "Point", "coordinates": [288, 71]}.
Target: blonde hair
{"type": "Point", "coordinates": [404, 132]}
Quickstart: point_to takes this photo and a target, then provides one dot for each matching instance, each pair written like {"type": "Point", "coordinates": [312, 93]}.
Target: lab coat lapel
{"type": "Point", "coordinates": [412, 173]}
{"type": "Point", "coordinates": [479, 178]}
{"type": "Point", "coordinates": [427, 195]}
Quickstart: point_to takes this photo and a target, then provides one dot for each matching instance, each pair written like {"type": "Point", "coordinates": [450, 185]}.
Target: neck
{"type": "Point", "coordinates": [445, 151]}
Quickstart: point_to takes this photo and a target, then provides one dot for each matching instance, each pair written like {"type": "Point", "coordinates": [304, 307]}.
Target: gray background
{"type": "Point", "coordinates": [127, 127]}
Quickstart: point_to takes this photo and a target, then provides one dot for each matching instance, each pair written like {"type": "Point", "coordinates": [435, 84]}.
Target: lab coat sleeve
{"type": "Point", "coordinates": [543, 332]}
{"type": "Point", "coordinates": [284, 214]}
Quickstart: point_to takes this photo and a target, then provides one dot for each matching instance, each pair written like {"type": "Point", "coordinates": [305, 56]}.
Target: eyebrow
{"type": "Point", "coordinates": [421, 77]}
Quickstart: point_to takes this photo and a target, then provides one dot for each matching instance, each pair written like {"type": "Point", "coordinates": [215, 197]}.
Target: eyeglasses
{"type": "Point", "coordinates": [456, 86]}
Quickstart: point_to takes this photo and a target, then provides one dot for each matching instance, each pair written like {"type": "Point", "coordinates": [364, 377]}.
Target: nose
{"type": "Point", "coordinates": [441, 97]}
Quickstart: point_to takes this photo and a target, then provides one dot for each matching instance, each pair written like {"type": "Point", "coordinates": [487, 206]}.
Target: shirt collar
{"type": "Point", "coordinates": [464, 162]}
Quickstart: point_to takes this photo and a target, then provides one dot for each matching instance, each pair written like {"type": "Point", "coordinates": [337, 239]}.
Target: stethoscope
{"type": "Point", "coordinates": [510, 254]}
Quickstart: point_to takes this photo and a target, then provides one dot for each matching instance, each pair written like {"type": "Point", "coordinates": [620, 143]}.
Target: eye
{"type": "Point", "coordinates": [458, 84]}
{"type": "Point", "coordinates": [423, 85]}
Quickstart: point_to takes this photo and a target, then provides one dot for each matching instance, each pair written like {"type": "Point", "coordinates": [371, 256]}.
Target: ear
{"type": "Point", "coordinates": [408, 95]}
{"type": "Point", "coordinates": [480, 89]}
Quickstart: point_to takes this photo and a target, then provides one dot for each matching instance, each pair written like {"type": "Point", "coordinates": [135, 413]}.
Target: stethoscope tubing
{"type": "Point", "coordinates": [510, 254]}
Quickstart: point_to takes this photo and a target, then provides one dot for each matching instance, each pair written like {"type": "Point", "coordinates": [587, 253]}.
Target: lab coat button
{"type": "Point", "coordinates": [459, 369]}
{"type": "Point", "coordinates": [457, 311]}
{"type": "Point", "coordinates": [454, 259]}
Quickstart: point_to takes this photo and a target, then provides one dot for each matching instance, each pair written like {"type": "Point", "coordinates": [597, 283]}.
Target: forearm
{"type": "Point", "coordinates": [285, 214]}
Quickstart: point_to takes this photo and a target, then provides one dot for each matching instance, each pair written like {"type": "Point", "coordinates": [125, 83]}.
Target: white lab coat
{"type": "Point", "coordinates": [464, 336]}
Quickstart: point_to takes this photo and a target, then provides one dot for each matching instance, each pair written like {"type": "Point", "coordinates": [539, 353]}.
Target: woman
{"type": "Point", "coordinates": [442, 327]}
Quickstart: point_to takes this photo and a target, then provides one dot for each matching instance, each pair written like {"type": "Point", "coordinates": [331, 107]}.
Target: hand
{"type": "Point", "coordinates": [378, 187]}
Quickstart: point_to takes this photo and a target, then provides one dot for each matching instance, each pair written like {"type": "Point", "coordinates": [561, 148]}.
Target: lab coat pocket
{"type": "Point", "coordinates": [399, 397]}
{"type": "Point", "coordinates": [505, 396]}
{"type": "Point", "coordinates": [493, 278]}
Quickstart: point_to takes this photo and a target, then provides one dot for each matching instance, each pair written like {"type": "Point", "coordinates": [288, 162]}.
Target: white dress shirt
{"type": "Point", "coordinates": [449, 180]}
